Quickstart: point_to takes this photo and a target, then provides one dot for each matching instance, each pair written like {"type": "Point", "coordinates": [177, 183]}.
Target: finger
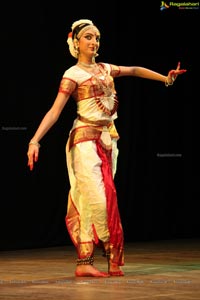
{"type": "Point", "coordinates": [30, 165]}
{"type": "Point", "coordinates": [178, 66]}
{"type": "Point", "coordinates": [36, 158]}
{"type": "Point", "coordinates": [177, 72]}
{"type": "Point", "coordinates": [30, 162]}
{"type": "Point", "coordinates": [182, 71]}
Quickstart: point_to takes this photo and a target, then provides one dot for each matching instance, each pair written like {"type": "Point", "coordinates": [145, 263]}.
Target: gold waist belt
{"type": "Point", "coordinates": [103, 130]}
{"type": "Point", "coordinates": [96, 123]}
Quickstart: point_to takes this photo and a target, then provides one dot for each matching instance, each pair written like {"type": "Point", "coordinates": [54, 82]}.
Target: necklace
{"type": "Point", "coordinates": [103, 82]}
{"type": "Point", "coordinates": [109, 102]}
{"type": "Point", "coordinates": [86, 65]}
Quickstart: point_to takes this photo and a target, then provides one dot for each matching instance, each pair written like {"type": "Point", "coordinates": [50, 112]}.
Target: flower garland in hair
{"type": "Point", "coordinates": [82, 21]}
{"type": "Point", "coordinates": [70, 42]}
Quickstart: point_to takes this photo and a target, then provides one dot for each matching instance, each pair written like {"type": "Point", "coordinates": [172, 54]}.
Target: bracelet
{"type": "Point", "coordinates": [35, 143]}
{"type": "Point", "coordinates": [167, 82]}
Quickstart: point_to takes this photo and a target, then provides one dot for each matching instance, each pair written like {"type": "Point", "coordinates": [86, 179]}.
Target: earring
{"type": "Point", "coordinates": [76, 49]}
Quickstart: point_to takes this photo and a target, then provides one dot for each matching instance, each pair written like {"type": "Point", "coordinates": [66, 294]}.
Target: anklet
{"type": "Point", "coordinates": [85, 261]}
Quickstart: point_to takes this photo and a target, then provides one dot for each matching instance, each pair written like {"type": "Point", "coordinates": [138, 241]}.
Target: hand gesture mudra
{"type": "Point", "coordinates": [172, 75]}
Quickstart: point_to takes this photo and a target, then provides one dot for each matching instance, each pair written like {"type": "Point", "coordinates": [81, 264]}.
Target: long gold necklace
{"type": "Point", "coordinates": [103, 82]}
{"type": "Point", "coordinates": [109, 102]}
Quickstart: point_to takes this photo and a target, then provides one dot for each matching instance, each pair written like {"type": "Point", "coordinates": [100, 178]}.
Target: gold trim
{"type": "Point", "coordinates": [89, 133]}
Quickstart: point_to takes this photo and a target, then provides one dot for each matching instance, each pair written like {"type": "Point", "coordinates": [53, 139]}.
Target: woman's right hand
{"type": "Point", "coordinates": [33, 153]}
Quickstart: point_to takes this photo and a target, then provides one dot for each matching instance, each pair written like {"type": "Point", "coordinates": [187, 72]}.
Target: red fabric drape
{"type": "Point", "coordinates": [114, 220]}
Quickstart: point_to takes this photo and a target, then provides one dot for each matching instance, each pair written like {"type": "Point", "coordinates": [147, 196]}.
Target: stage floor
{"type": "Point", "coordinates": [153, 270]}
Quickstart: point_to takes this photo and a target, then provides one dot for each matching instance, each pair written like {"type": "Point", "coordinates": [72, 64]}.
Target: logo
{"type": "Point", "coordinates": [164, 5]}
{"type": "Point", "coordinates": [179, 5]}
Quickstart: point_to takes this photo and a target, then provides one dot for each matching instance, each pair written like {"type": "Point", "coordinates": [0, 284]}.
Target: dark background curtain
{"type": "Point", "coordinates": [156, 179]}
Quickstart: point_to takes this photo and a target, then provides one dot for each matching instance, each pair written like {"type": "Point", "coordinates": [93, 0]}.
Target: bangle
{"type": "Point", "coordinates": [167, 82]}
{"type": "Point", "coordinates": [35, 143]}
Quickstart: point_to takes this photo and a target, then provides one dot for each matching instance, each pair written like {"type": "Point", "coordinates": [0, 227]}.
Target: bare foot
{"type": "Point", "coordinates": [89, 271]}
{"type": "Point", "coordinates": [115, 270]}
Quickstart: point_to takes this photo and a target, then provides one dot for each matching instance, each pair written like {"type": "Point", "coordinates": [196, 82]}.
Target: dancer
{"type": "Point", "coordinates": [93, 218]}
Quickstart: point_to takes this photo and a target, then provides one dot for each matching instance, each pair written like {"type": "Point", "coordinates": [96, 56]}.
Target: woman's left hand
{"type": "Point", "coordinates": [172, 75]}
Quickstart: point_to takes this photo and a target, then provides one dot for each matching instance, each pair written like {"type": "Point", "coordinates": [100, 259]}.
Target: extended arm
{"type": "Point", "coordinates": [47, 122]}
{"type": "Point", "coordinates": [150, 74]}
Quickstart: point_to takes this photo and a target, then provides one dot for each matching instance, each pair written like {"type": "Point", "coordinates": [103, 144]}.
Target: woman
{"type": "Point", "coordinates": [92, 217]}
